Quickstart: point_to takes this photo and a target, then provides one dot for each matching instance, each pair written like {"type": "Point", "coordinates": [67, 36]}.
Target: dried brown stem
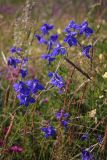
{"type": "Point", "coordinates": [78, 68]}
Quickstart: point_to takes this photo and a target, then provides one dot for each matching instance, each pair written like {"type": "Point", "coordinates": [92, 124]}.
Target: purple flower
{"type": "Point", "coordinates": [25, 100]}
{"type": "Point", "coordinates": [86, 155]}
{"type": "Point", "coordinates": [23, 72]}
{"type": "Point", "coordinates": [34, 85]}
{"type": "Point", "coordinates": [79, 28]}
{"type": "Point", "coordinates": [15, 50]}
{"type": "Point", "coordinates": [48, 57]}
{"type": "Point", "coordinates": [73, 25]}
{"type": "Point", "coordinates": [56, 80]}
{"type": "Point", "coordinates": [85, 29]}
{"type": "Point", "coordinates": [64, 123]}
{"type": "Point", "coordinates": [85, 136]}
{"type": "Point", "coordinates": [58, 50]}
{"type": "Point", "coordinates": [16, 149]}
{"type": "Point", "coordinates": [54, 37]}
{"type": "Point", "coordinates": [13, 61]}
{"type": "Point", "coordinates": [61, 114]}
{"type": "Point", "coordinates": [86, 50]}
{"type": "Point", "coordinates": [46, 28]}
{"type": "Point", "coordinates": [49, 131]}
{"type": "Point", "coordinates": [100, 139]}
{"type": "Point", "coordinates": [22, 88]}
{"type": "Point", "coordinates": [40, 39]}
{"type": "Point", "coordinates": [71, 40]}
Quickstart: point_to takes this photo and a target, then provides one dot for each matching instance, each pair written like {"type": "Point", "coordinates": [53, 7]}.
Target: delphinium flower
{"type": "Point", "coordinates": [56, 80]}
{"type": "Point", "coordinates": [16, 149]}
{"type": "Point", "coordinates": [13, 61]}
{"type": "Point", "coordinates": [15, 49]}
{"type": "Point", "coordinates": [71, 39]}
{"type": "Point", "coordinates": [48, 57]}
{"type": "Point", "coordinates": [86, 50]}
{"type": "Point", "coordinates": [82, 28]}
{"type": "Point", "coordinates": [34, 85]}
{"type": "Point", "coordinates": [58, 50]}
{"type": "Point", "coordinates": [59, 115]}
{"type": "Point", "coordinates": [49, 131]}
{"type": "Point", "coordinates": [18, 61]}
{"type": "Point", "coordinates": [86, 155]}
{"type": "Point", "coordinates": [63, 118]}
{"type": "Point", "coordinates": [41, 39]}
{"type": "Point", "coordinates": [25, 91]}
{"type": "Point", "coordinates": [65, 123]}
{"type": "Point", "coordinates": [46, 28]}
{"type": "Point", "coordinates": [100, 139]}
{"type": "Point", "coordinates": [54, 48]}
{"type": "Point", "coordinates": [85, 136]}
{"type": "Point", "coordinates": [23, 72]}
{"type": "Point", "coordinates": [73, 31]}
{"type": "Point", "coordinates": [25, 100]}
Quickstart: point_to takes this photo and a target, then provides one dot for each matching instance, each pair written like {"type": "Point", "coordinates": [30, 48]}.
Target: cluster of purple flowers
{"type": "Point", "coordinates": [26, 90]}
{"type": "Point", "coordinates": [15, 62]}
{"type": "Point", "coordinates": [87, 155]}
{"type": "Point", "coordinates": [63, 118]}
{"type": "Point", "coordinates": [53, 45]}
{"type": "Point", "coordinates": [56, 80]}
{"type": "Point", "coordinates": [49, 131]}
{"type": "Point", "coordinates": [72, 31]}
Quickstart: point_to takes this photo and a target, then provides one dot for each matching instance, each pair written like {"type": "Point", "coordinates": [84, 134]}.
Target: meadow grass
{"type": "Point", "coordinates": [85, 100]}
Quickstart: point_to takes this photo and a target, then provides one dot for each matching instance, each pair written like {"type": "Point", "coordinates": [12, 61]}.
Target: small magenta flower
{"type": "Point", "coordinates": [16, 149]}
{"type": "Point", "coordinates": [49, 131]}
{"type": "Point", "coordinates": [46, 100]}
{"type": "Point", "coordinates": [1, 142]}
{"type": "Point", "coordinates": [46, 28]}
{"type": "Point", "coordinates": [12, 73]}
{"type": "Point", "coordinates": [86, 50]}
